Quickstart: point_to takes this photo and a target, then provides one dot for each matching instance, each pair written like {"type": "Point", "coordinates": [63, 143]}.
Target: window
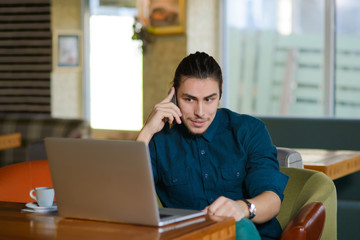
{"type": "Point", "coordinates": [278, 57]}
{"type": "Point", "coordinates": [347, 52]}
{"type": "Point", "coordinates": [115, 69]}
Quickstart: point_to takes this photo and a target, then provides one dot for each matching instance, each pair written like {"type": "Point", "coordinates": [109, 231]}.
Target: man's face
{"type": "Point", "coordinates": [198, 100]}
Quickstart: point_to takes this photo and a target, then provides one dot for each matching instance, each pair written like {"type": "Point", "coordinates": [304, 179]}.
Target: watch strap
{"type": "Point", "coordinates": [252, 208]}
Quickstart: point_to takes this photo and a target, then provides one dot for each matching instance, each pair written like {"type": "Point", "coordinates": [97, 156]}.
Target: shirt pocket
{"type": "Point", "coordinates": [232, 179]}
{"type": "Point", "coordinates": [178, 187]}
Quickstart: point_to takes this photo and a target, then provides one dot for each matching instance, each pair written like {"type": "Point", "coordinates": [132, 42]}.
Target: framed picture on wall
{"type": "Point", "coordinates": [163, 16]}
{"type": "Point", "coordinates": [67, 54]}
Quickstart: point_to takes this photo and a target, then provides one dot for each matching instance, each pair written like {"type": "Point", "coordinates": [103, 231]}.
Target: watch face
{"type": "Point", "coordinates": [252, 209]}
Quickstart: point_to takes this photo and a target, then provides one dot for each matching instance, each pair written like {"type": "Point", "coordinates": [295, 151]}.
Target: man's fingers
{"type": "Point", "coordinates": [216, 204]}
{"type": "Point", "coordinates": [170, 96]}
{"type": "Point", "coordinates": [162, 112]}
{"type": "Point", "coordinates": [165, 108]}
{"type": "Point", "coordinates": [177, 109]}
{"type": "Point", "coordinates": [170, 115]}
{"type": "Point", "coordinates": [205, 210]}
{"type": "Point", "coordinates": [171, 119]}
{"type": "Point", "coordinates": [225, 207]}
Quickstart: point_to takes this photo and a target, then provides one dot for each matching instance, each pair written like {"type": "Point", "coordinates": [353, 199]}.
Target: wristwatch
{"type": "Point", "coordinates": [252, 208]}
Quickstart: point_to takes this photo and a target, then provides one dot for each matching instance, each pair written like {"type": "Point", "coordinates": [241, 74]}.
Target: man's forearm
{"type": "Point", "coordinates": [267, 206]}
{"type": "Point", "coordinates": [144, 136]}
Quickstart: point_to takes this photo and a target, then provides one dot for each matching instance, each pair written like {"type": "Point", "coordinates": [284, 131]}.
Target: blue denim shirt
{"type": "Point", "coordinates": [234, 158]}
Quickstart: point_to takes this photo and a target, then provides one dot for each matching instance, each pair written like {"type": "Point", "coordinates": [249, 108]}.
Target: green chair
{"type": "Point", "coordinates": [306, 187]}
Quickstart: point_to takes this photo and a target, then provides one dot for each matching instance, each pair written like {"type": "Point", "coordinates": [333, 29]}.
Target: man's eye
{"type": "Point", "coordinates": [188, 99]}
{"type": "Point", "coordinates": [209, 99]}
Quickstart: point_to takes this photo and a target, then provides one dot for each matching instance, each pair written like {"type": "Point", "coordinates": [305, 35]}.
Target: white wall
{"type": "Point", "coordinates": [66, 85]}
{"type": "Point", "coordinates": [202, 26]}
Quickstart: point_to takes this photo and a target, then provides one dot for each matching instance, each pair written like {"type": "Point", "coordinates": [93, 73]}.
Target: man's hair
{"type": "Point", "coordinates": [198, 65]}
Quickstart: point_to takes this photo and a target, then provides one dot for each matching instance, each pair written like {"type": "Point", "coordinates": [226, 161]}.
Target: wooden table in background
{"type": "Point", "coordinates": [335, 164]}
{"type": "Point", "coordinates": [10, 141]}
{"type": "Point", "coordinates": [15, 224]}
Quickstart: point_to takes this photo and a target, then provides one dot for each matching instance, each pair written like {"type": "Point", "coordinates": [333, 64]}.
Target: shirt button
{"type": "Point", "coordinates": [238, 174]}
{"type": "Point", "coordinates": [202, 152]}
{"type": "Point", "coordinates": [206, 175]}
{"type": "Point", "coordinates": [174, 180]}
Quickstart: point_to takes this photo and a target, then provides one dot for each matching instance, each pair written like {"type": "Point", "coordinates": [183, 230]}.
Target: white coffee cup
{"type": "Point", "coordinates": [44, 196]}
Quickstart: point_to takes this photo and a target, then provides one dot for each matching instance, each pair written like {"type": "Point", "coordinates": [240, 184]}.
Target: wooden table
{"type": "Point", "coordinates": [15, 224]}
{"type": "Point", "coordinates": [10, 141]}
{"type": "Point", "coordinates": [335, 164]}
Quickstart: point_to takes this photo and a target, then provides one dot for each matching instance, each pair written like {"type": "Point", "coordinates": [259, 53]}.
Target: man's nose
{"type": "Point", "coordinates": [199, 109]}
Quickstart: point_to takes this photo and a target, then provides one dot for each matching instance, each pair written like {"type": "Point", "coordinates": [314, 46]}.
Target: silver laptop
{"type": "Point", "coordinates": [107, 180]}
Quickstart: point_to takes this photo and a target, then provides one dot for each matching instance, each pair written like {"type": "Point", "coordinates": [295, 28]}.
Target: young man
{"type": "Point", "coordinates": [213, 159]}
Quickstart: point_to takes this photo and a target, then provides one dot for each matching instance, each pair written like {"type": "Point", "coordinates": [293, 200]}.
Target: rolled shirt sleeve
{"type": "Point", "coordinates": [262, 166]}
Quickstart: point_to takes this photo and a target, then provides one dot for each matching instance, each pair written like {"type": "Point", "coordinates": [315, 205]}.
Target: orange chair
{"type": "Point", "coordinates": [17, 180]}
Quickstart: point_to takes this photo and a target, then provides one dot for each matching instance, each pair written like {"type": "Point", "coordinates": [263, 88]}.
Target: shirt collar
{"type": "Point", "coordinates": [211, 131]}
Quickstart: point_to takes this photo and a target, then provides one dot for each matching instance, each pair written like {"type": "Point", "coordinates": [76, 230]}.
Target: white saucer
{"type": "Point", "coordinates": [36, 208]}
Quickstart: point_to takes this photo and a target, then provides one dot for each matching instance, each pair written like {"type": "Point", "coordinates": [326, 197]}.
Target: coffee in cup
{"type": "Point", "coordinates": [44, 196]}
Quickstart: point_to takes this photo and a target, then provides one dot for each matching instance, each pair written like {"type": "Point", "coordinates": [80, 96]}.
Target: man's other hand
{"type": "Point", "coordinates": [226, 207]}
